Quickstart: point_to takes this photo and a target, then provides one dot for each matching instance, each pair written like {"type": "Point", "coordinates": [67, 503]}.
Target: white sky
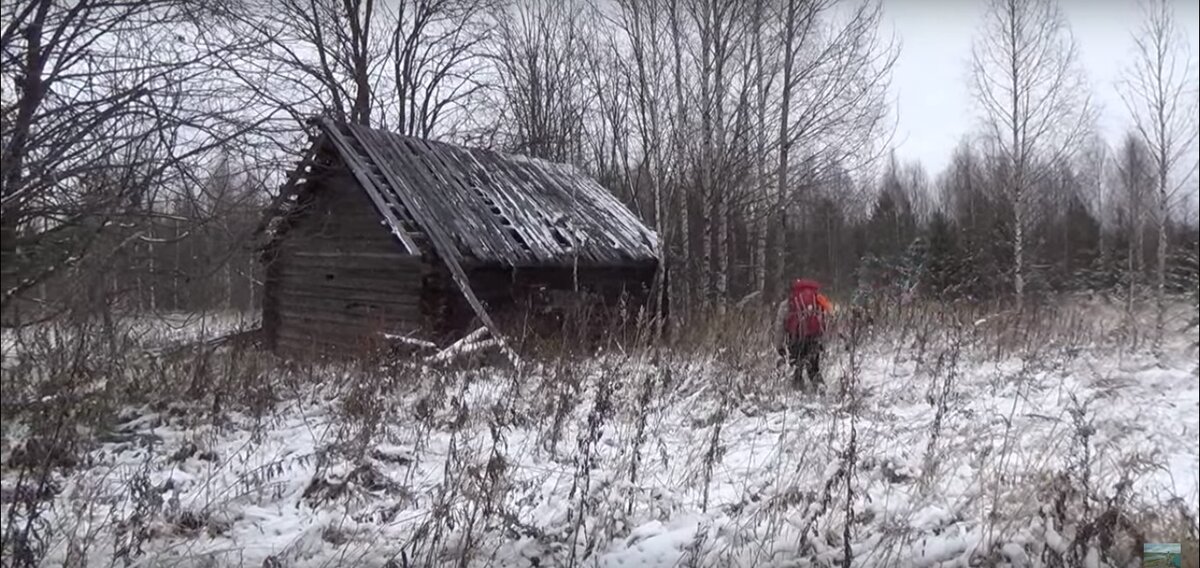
{"type": "Point", "coordinates": [930, 83]}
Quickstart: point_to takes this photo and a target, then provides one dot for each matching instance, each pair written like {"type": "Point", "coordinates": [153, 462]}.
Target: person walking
{"type": "Point", "coordinates": [801, 327]}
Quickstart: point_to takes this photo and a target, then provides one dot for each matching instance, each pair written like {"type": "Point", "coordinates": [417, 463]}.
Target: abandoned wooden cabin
{"type": "Point", "coordinates": [379, 235]}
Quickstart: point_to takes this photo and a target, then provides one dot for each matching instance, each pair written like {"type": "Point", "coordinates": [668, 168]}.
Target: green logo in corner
{"type": "Point", "coordinates": [1158, 555]}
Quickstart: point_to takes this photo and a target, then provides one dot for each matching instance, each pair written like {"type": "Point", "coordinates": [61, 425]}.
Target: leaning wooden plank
{"type": "Point", "coordinates": [362, 173]}
{"type": "Point", "coordinates": [438, 239]}
{"type": "Point", "coordinates": [434, 197]}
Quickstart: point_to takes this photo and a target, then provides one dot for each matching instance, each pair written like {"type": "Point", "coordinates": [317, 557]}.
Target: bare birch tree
{"type": "Point", "coordinates": [721, 27]}
{"type": "Point", "coordinates": [436, 74]}
{"type": "Point", "coordinates": [832, 106]}
{"type": "Point", "coordinates": [321, 56]}
{"type": "Point", "coordinates": [763, 78]}
{"type": "Point", "coordinates": [1093, 166]}
{"type": "Point", "coordinates": [680, 128]}
{"type": "Point", "coordinates": [412, 66]}
{"type": "Point", "coordinates": [1135, 180]}
{"type": "Point", "coordinates": [1159, 91]}
{"type": "Point", "coordinates": [646, 26]}
{"type": "Point", "coordinates": [1034, 102]}
{"type": "Point", "coordinates": [540, 59]}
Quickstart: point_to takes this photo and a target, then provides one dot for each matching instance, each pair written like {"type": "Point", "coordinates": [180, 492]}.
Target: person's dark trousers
{"type": "Point", "coordinates": [804, 354]}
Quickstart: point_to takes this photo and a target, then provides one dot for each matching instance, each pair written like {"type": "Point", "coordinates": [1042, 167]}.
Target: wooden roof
{"type": "Point", "coordinates": [484, 207]}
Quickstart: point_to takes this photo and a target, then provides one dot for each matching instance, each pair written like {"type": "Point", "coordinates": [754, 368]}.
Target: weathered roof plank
{"type": "Point", "coordinates": [488, 207]}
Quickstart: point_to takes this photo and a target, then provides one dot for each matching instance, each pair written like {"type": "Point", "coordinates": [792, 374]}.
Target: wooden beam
{"type": "Point", "coordinates": [437, 238]}
{"type": "Point", "coordinates": [273, 210]}
{"type": "Point", "coordinates": [362, 173]}
{"type": "Point", "coordinates": [364, 302]}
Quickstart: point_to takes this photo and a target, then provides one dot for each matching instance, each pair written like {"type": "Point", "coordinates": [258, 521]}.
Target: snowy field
{"type": "Point", "coordinates": [932, 444]}
{"type": "Point", "coordinates": [157, 331]}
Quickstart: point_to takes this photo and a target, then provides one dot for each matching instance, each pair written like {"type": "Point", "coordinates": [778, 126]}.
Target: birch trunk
{"type": "Point", "coordinates": [1160, 289]}
{"type": "Point", "coordinates": [175, 270]}
{"type": "Point", "coordinates": [1028, 84]}
{"type": "Point", "coordinates": [153, 277]}
{"type": "Point", "coordinates": [760, 147]}
{"type": "Point", "coordinates": [720, 185]}
{"type": "Point", "coordinates": [1017, 157]}
{"type": "Point", "coordinates": [229, 285]}
{"type": "Point", "coordinates": [684, 278]}
{"type": "Point", "coordinates": [706, 169]}
{"type": "Point", "coordinates": [785, 140]}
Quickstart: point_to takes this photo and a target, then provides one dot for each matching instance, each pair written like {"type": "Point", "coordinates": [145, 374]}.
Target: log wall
{"type": "Point", "coordinates": [338, 279]}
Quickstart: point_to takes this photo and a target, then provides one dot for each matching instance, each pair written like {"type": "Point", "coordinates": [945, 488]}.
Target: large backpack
{"type": "Point", "coordinates": [805, 317]}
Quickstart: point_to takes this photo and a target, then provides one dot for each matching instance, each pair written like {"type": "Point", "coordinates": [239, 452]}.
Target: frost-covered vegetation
{"type": "Point", "coordinates": [1014, 375]}
{"type": "Point", "coordinates": [943, 435]}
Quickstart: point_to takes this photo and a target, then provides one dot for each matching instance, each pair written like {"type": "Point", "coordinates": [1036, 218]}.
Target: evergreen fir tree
{"type": "Point", "coordinates": [943, 274]}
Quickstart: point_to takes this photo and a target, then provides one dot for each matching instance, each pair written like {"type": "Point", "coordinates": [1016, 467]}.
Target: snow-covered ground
{"type": "Point", "coordinates": [150, 330]}
{"type": "Point", "coordinates": [962, 452]}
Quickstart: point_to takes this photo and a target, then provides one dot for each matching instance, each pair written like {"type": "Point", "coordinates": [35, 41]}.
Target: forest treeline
{"type": "Point", "coordinates": [143, 140]}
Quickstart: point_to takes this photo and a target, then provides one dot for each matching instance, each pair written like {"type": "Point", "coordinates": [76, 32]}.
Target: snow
{"type": "Point", "coordinates": [303, 487]}
{"type": "Point", "coordinates": [160, 330]}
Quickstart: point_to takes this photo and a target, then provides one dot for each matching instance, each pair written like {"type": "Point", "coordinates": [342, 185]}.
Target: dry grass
{"type": "Point", "coordinates": [578, 398]}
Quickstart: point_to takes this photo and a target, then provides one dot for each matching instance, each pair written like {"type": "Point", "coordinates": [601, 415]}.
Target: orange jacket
{"type": "Point", "coordinates": [824, 303]}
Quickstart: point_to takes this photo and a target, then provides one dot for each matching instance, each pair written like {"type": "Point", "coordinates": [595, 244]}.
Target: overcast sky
{"type": "Point", "coordinates": [930, 82]}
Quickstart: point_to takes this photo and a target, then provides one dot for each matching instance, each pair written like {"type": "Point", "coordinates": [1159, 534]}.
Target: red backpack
{"type": "Point", "coordinates": [805, 317]}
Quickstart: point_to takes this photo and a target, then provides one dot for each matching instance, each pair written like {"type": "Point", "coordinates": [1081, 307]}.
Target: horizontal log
{"type": "Point", "coordinates": [396, 257]}
{"type": "Point", "coordinates": [560, 282]}
{"type": "Point", "coordinates": [336, 287]}
{"type": "Point", "coordinates": [339, 240]}
{"type": "Point", "coordinates": [353, 261]}
{"type": "Point", "coordinates": [383, 283]}
{"type": "Point", "coordinates": [353, 311]}
{"type": "Point", "coordinates": [352, 267]}
{"type": "Point", "coordinates": [307, 340]}
{"type": "Point", "coordinates": [364, 267]}
{"type": "Point", "coordinates": [357, 252]}
{"type": "Point", "coordinates": [345, 338]}
{"type": "Point", "coordinates": [311, 317]}
{"type": "Point", "coordinates": [349, 306]}
{"type": "Point", "coordinates": [351, 206]}
{"type": "Point", "coordinates": [296, 292]}
{"type": "Point", "coordinates": [340, 243]}
{"type": "Point", "coordinates": [297, 326]}
{"type": "Point", "coordinates": [324, 215]}
{"type": "Point", "coordinates": [319, 314]}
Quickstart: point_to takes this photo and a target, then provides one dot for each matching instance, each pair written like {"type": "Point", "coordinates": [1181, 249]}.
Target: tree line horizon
{"type": "Point", "coordinates": [142, 142]}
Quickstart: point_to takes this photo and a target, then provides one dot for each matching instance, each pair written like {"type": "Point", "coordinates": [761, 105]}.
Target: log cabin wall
{"type": "Point", "coordinates": [339, 278]}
